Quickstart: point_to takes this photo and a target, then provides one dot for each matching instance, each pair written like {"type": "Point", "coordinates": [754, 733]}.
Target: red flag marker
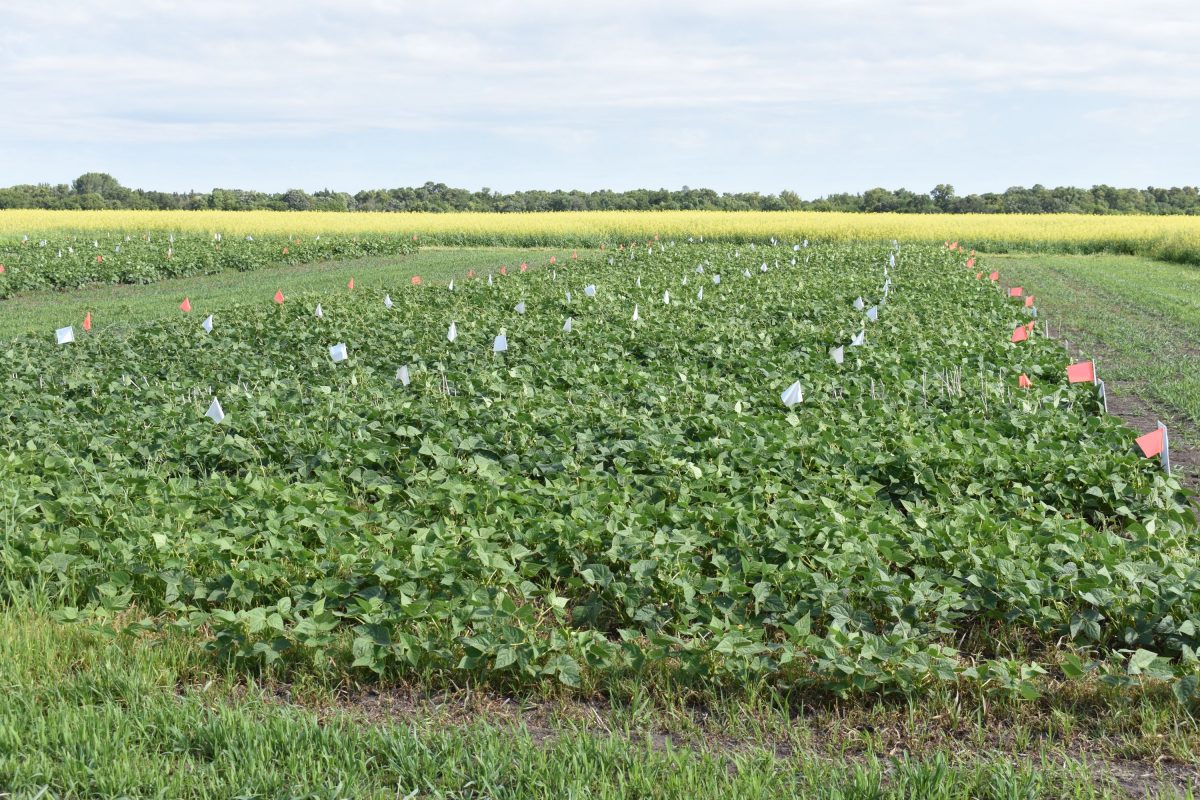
{"type": "Point", "coordinates": [1031, 326]}
{"type": "Point", "coordinates": [1024, 381]}
{"type": "Point", "coordinates": [978, 276]}
{"type": "Point", "coordinates": [99, 259]}
{"type": "Point", "coordinates": [524, 266]}
{"type": "Point", "coordinates": [1016, 291]}
{"type": "Point", "coordinates": [1083, 372]}
{"type": "Point", "coordinates": [970, 263]}
{"type": "Point", "coordinates": [954, 245]}
{"type": "Point", "coordinates": [995, 276]}
{"type": "Point", "coordinates": [279, 297]}
{"type": "Point", "coordinates": [185, 306]}
{"type": "Point", "coordinates": [503, 269]}
{"type": "Point", "coordinates": [1151, 443]}
{"type": "Point", "coordinates": [87, 321]}
{"type": "Point", "coordinates": [416, 280]}
{"type": "Point", "coordinates": [350, 285]}
{"type": "Point", "coordinates": [1029, 301]}
{"type": "Point", "coordinates": [1019, 334]}
{"type": "Point", "coordinates": [1, 269]}
{"type": "Point", "coordinates": [575, 253]}
{"type": "Point", "coordinates": [553, 259]}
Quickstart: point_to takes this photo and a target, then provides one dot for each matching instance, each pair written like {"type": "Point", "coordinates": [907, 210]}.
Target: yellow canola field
{"type": "Point", "coordinates": [1166, 236]}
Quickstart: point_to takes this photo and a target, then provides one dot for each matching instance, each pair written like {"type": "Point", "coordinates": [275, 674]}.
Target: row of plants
{"type": "Point", "coordinates": [72, 260]}
{"type": "Point", "coordinates": [626, 497]}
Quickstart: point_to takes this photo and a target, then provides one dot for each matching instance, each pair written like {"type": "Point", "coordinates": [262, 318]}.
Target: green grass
{"type": "Point", "coordinates": [117, 305]}
{"type": "Point", "coordinates": [87, 712]}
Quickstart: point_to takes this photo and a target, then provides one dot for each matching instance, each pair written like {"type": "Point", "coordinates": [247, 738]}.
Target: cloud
{"type": "Point", "coordinates": [578, 76]}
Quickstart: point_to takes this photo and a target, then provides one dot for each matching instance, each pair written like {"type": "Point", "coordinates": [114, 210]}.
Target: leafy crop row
{"type": "Point", "coordinates": [62, 261]}
{"type": "Point", "coordinates": [628, 497]}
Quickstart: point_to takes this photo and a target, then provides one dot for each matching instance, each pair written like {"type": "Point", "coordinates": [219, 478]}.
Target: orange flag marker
{"type": "Point", "coordinates": [524, 266]}
{"type": "Point", "coordinates": [87, 321]}
{"type": "Point", "coordinates": [995, 276]}
{"type": "Point", "coordinates": [503, 269]}
{"type": "Point", "coordinates": [1151, 443]}
{"type": "Point", "coordinates": [279, 297]}
{"type": "Point", "coordinates": [1024, 381]}
{"type": "Point", "coordinates": [1083, 372]}
{"type": "Point", "coordinates": [553, 259]}
{"type": "Point", "coordinates": [978, 276]}
{"type": "Point", "coordinates": [1016, 291]}
{"type": "Point", "coordinates": [970, 263]}
{"type": "Point", "coordinates": [350, 285]}
{"type": "Point", "coordinates": [185, 306]}
{"type": "Point", "coordinates": [1029, 301]}
{"type": "Point", "coordinates": [416, 280]}
{"type": "Point", "coordinates": [1019, 334]}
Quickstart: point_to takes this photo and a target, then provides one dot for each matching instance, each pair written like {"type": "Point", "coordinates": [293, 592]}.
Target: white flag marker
{"type": "Point", "coordinates": [568, 296]}
{"type": "Point", "coordinates": [489, 279]}
{"type": "Point", "coordinates": [1165, 457]}
{"type": "Point", "coordinates": [452, 334]}
{"type": "Point", "coordinates": [716, 280]}
{"type": "Point", "coordinates": [685, 280]}
{"type": "Point", "coordinates": [700, 294]}
{"type": "Point", "coordinates": [402, 375]}
{"type": "Point", "coordinates": [795, 248]}
{"type": "Point", "coordinates": [700, 270]}
{"type": "Point", "coordinates": [638, 282]}
{"type": "Point", "coordinates": [519, 307]}
{"type": "Point", "coordinates": [873, 313]}
{"type": "Point", "coordinates": [667, 297]}
{"type": "Point", "coordinates": [567, 325]}
{"type": "Point", "coordinates": [763, 268]}
{"type": "Point", "coordinates": [500, 345]}
{"type": "Point", "coordinates": [215, 412]}
{"type": "Point", "coordinates": [859, 305]}
{"type": "Point", "coordinates": [452, 284]}
{"type": "Point", "coordinates": [635, 312]}
{"type": "Point", "coordinates": [590, 290]}
{"type": "Point", "coordinates": [792, 395]}
{"type": "Point", "coordinates": [207, 324]}
{"type": "Point", "coordinates": [338, 352]}
{"type": "Point", "coordinates": [65, 335]}
{"type": "Point", "coordinates": [746, 273]}
{"type": "Point", "coordinates": [319, 314]}
{"type": "Point", "coordinates": [387, 302]}
{"type": "Point", "coordinates": [860, 339]}
{"type": "Point", "coordinates": [892, 260]}
{"type": "Point", "coordinates": [838, 354]}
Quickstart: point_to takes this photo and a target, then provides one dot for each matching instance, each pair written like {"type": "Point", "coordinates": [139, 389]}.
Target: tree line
{"type": "Point", "coordinates": [98, 190]}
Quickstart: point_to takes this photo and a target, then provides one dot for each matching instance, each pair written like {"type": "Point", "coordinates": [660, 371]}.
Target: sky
{"type": "Point", "coordinates": [733, 95]}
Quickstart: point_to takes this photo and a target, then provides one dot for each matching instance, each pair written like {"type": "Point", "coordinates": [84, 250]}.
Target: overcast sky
{"type": "Point", "coordinates": [736, 95]}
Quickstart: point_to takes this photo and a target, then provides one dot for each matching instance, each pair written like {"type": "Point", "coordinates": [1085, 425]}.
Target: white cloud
{"type": "Point", "coordinates": [566, 73]}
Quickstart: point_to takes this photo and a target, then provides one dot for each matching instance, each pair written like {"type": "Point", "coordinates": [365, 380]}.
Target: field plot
{"type": "Point", "coordinates": [122, 305]}
{"type": "Point", "coordinates": [623, 496]}
{"type": "Point", "coordinates": [1140, 318]}
{"type": "Point", "coordinates": [62, 261]}
{"type": "Point", "coordinates": [1170, 238]}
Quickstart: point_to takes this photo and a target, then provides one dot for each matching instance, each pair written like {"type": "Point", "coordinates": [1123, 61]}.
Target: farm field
{"type": "Point", "coordinates": [625, 509]}
{"type": "Point", "coordinates": [1140, 318]}
{"type": "Point", "coordinates": [1171, 238]}
{"type": "Point", "coordinates": [124, 304]}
